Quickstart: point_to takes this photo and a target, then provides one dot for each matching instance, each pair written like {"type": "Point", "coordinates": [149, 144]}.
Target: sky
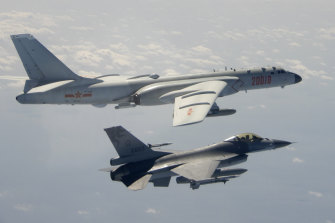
{"type": "Point", "coordinates": [50, 154]}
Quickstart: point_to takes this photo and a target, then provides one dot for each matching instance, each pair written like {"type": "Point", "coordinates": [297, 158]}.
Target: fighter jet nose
{"type": "Point", "coordinates": [297, 78]}
{"type": "Point", "coordinates": [280, 143]}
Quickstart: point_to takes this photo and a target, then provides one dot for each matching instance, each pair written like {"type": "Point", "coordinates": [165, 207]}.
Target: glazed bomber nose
{"type": "Point", "coordinates": [297, 78]}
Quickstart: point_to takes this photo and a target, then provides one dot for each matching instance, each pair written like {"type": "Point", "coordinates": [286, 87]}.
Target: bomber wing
{"type": "Point", "coordinates": [193, 107]}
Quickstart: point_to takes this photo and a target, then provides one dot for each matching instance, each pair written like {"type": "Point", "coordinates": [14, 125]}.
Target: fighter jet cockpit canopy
{"type": "Point", "coordinates": [244, 137]}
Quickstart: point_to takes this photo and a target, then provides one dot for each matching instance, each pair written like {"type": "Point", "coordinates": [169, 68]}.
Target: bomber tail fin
{"type": "Point", "coordinates": [40, 64]}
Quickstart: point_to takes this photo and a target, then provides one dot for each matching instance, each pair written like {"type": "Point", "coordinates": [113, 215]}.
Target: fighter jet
{"type": "Point", "coordinates": [139, 163]}
{"type": "Point", "coordinates": [52, 82]}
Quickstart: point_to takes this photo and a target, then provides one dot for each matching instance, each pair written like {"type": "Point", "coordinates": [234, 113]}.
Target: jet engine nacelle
{"type": "Point", "coordinates": [221, 112]}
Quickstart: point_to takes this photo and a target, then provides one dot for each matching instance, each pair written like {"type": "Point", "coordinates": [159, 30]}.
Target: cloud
{"type": "Point", "coordinates": [117, 58]}
{"type": "Point", "coordinates": [6, 62]}
{"type": "Point", "coordinates": [291, 148]}
{"type": "Point", "coordinates": [325, 77]}
{"type": "Point", "coordinates": [27, 22]}
{"type": "Point", "coordinates": [15, 81]}
{"type": "Point", "coordinates": [202, 49]}
{"type": "Point", "coordinates": [327, 33]}
{"type": "Point", "coordinates": [13, 78]}
{"type": "Point", "coordinates": [298, 67]}
{"type": "Point", "coordinates": [176, 33]}
{"type": "Point", "coordinates": [150, 132]}
{"type": "Point", "coordinates": [233, 35]}
{"type": "Point", "coordinates": [315, 194]}
{"type": "Point", "coordinates": [170, 72]}
{"type": "Point", "coordinates": [152, 211]}
{"type": "Point", "coordinates": [252, 107]}
{"type": "Point", "coordinates": [120, 59]}
{"type": "Point", "coordinates": [24, 207]}
{"type": "Point", "coordinates": [119, 46]}
{"type": "Point", "coordinates": [260, 52]}
{"type": "Point", "coordinates": [82, 212]}
{"type": "Point", "coordinates": [87, 58]}
{"type": "Point", "coordinates": [297, 160]}
{"type": "Point", "coordinates": [202, 62]}
{"type": "Point", "coordinates": [16, 84]}
{"type": "Point", "coordinates": [261, 34]}
{"type": "Point", "coordinates": [81, 28]}
{"type": "Point", "coordinates": [3, 194]}
{"type": "Point", "coordinates": [153, 49]}
{"type": "Point", "coordinates": [295, 44]}
{"type": "Point", "coordinates": [89, 74]}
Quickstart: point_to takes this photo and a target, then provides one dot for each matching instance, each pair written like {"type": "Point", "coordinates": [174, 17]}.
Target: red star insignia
{"type": "Point", "coordinates": [189, 112]}
{"type": "Point", "coordinates": [78, 94]}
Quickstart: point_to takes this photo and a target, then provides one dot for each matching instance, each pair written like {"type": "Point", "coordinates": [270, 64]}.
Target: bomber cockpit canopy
{"type": "Point", "coordinates": [244, 137]}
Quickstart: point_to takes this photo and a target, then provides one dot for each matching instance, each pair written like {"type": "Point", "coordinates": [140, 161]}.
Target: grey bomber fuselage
{"type": "Point", "coordinates": [193, 95]}
{"type": "Point", "coordinates": [148, 91]}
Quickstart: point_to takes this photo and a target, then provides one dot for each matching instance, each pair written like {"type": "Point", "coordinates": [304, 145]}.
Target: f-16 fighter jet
{"type": "Point", "coordinates": [193, 95]}
{"type": "Point", "coordinates": [139, 163]}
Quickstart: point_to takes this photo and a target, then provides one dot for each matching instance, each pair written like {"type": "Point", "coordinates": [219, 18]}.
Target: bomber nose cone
{"type": "Point", "coordinates": [297, 78]}
{"type": "Point", "coordinates": [280, 143]}
{"type": "Point", "coordinates": [20, 98]}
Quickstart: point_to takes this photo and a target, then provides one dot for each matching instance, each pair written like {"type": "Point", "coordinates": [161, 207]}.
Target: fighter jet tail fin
{"type": "Point", "coordinates": [40, 64]}
{"type": "Point", "coordinates": [129, 148]}
{"type": "Point", "coordinates": [124, 142]}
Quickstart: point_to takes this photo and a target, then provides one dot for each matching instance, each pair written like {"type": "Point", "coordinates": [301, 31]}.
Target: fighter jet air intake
{"type": "Point", "coordinates": [139, 163]}
{"type": "Point", "coordinates": [193, 95]}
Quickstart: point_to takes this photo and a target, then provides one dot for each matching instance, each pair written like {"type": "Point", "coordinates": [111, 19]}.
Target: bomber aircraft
{"type": "Point", "coordinates": [52, 82]}
{"type": "Point", "coordinates": [139, 163]}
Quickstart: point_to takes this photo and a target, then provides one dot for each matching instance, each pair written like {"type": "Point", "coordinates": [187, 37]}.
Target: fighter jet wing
{"type": "Point", "coordinates": [198, 170]}
{"type": "Point", "coordinates": [193, 107]}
